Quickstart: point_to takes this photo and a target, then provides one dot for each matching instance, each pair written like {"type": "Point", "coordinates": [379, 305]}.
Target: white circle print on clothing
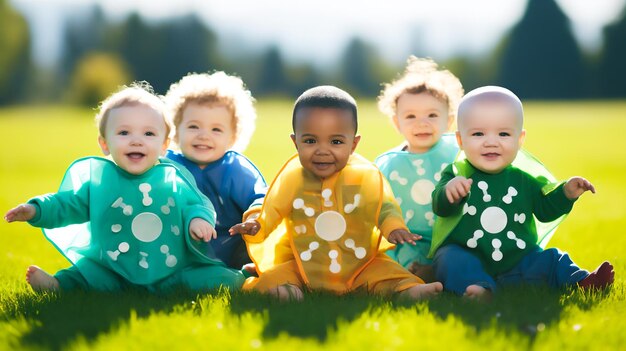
{"type": "Point", "coordinates": [494, 221]}
{"type": "Point", "coordinates": [330, 225]}
{"type": "Point", "coordinates": [421, 191]}
{"type": "Point", "coordinates": [146, 227]}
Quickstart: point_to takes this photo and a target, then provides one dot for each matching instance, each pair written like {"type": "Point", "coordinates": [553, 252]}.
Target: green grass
{"type": "Point", "coordinates": [38, 143]}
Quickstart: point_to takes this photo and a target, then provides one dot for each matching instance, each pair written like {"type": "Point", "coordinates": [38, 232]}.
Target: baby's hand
{"type": "Point", "coordinates": [400, 236]}
{"type": "Point", "coordinates": [576, 186]}
{"type": "Point", "coordinates": [22, 213]}
{"type": "Point", "coordinates": [457, 189]}
{"type": "Point", "coordinates": [199, 229]}
{"type": "Point", "coordinates": [249, 227]}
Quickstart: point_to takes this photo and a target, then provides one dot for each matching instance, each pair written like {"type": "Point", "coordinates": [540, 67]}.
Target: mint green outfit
{"type": "Point", "coordinates": [413, 178]}
{"type": "Point", "coordinates": [121, 230]}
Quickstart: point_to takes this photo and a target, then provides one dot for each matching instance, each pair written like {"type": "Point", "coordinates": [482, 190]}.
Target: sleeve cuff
{"type": "Point", "coordinates": [558, 196]}
{"type": "Point", "coordinates": [253, 210]}
{"type": "Point", "coordinates": [199, 211]}
{"type": "Point", "coordinates": [36, 220]}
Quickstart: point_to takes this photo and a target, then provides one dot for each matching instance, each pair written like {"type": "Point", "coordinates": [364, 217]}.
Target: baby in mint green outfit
{"type": "Point", "coordinates": [422, 105]}
{"type": "Point", "coordinates": [134, 222]}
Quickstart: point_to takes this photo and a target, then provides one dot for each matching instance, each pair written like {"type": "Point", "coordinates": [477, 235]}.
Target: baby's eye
{"type": "Point", "coordinates": [309, 141]}
{"type": "Point", "coordinates": [409, 116]}
{"type": "Point", "coordinates": [150, 134]}
{"type": "Point", "coordinates": [336, 142]}
{"type": "Point", "coordinates": [192, 126]}
{"type": "Point", "coordinates": [433, 115]}
{"type": "Point", "coordinates": [478, 134]}
{"type": "Point", "coordinates": [504, 134]}
{"type": "Point", "coordinates": [217, 130]}
{"type": "Point", "coordinates": [122, 132]}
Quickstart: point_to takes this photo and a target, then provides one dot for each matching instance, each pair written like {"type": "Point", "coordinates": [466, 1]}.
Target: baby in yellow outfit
{"type": "Point", "coordinates": [338, 210]}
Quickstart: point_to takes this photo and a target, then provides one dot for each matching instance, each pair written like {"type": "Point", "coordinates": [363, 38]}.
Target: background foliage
{"type": "Point", "coordinates": [539, 58]}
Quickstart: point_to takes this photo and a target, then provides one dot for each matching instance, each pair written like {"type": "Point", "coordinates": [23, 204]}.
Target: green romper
{"type": "Point", "coordinates": [121, 230]}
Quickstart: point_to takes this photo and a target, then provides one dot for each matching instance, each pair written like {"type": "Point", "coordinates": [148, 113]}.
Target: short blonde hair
{"type": "Point", "coordinates": [138, 93]}
{"type": "Point", "coordinates": [218, 88]}
{"type": "Point", "coordinates": [422, 75]}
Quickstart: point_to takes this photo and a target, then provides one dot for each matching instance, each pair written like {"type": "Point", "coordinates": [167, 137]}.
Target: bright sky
{"type": "Point", "coordinates": [318, 31]}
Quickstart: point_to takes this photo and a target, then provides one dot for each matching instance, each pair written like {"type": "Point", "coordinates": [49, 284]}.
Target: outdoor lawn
{"type": "Point", "coordinates": [571, 138]}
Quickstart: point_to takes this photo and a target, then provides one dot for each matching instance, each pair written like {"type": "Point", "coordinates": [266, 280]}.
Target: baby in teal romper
{"type": "Point", "coordinates": [422, 105]}
{"type": "Point", "coordinates": [136, 221]}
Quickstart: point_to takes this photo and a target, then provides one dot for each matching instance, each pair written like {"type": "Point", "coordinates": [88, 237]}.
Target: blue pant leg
{"type": "Point", "coordinates": [457, 268]}
{"type": "Point", "coordinates": [552, 267]}
{"type": "Point", "coordinates": [203, 278]}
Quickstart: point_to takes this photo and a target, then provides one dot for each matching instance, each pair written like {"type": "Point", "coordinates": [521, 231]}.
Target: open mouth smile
{"type": "Point", "coordinates": [491, 155]}
{"type": "Point", "coordinates": [323, 165]}
{"type": "Point", "coordinates": [135, 156]}
{"type": "Point", "coordinates": [202, 147]}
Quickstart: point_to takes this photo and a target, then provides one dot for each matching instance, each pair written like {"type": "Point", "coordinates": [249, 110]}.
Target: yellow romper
{"type": "Point", "coordinates": [331, 238]}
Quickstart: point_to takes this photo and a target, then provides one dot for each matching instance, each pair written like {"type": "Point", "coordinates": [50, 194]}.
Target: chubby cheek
{"type": "Point", "coordinates": [185, 138]}
{"type": "Point", "coordinates": [404, 128]}
{"type": "Point", "coordinates": [304, 158]}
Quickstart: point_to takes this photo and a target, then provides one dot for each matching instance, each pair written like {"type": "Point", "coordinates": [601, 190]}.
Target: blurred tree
{"type": "Point", "coordinates": [96, 76]}
{"type": "Point", "coordinates": [15, 61]}
{"type": "Point", "coordinates": [477, 71]}
{"type": "Point", "coordinates": [542, 59]}
{"type": "Point", "coordinates": [272, 78]}
{"type": "Point", "coordinates": [163, 53]}
{"type": "Point", "coordinates": [301, 78]}
{"type": "Point", "coordinates": [83, 34]}
{"type": "Point", "coordinates": [359, 67]}
{"type": "Point", "coordinates": [612, 67]}
{"type": "Point", "coordinates": [160, 53]}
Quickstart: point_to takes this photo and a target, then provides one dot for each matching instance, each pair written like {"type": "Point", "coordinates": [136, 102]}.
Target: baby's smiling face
{"type": "Point", "coordinates": [135, 137]}
{"type": "Point", "coordinates": [490, 133]}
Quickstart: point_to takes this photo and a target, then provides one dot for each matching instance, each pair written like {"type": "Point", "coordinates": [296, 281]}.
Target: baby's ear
{"type": "Point", "coordinates": [394, 119]}
{"type": "Point", "coordinates": [522, 137]}
{"type": "Point", "coordinates": [458, 139]}
{"type": "Point", "coordinates": [166, 144]}
{"type": "Point", "coordinates": [293, 138]}
{"type": "Point", "coordinates": [103, 145]}
{"type": "Point", "coordinates": [355, 143]}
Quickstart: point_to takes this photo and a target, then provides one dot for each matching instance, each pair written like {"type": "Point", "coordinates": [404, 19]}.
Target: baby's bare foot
{"type": "Point", "coordinates": [287, 292]}
{"type": "Point", "coordinates": [422, 291]}
{"type": "Point", "coordinates": [40, 280]}
{"type": "Point", "coordinates": [477, 292]}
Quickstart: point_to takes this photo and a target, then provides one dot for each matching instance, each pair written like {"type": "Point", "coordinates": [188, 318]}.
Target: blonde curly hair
{"type": "Point", "coordinates": [422, 75]}
{"type": "Point", "coordinates": [138, 93]}
{"type": "Point", "coordinates": [218, 88]}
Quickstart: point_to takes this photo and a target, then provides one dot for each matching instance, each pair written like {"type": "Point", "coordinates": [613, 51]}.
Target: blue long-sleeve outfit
{"type": "Point", "coordinates": [234, 185]}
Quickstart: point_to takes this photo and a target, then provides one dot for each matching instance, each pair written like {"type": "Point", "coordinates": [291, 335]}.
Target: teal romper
{"type": "Point", "coordinates": [413, 178]}
{"type": "Point", "coordinates": [121, 230]}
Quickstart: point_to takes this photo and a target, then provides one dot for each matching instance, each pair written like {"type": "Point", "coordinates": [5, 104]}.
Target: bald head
{"type": "Point", "coordinates": [490, 95]}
